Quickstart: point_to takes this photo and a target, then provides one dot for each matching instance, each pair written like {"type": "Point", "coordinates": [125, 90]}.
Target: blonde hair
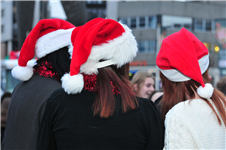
{"type": "Point", "coordinates": [139, 78]}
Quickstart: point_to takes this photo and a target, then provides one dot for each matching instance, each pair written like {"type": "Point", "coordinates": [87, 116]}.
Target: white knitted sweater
{"type": "Point", "coordinates": [193, 125]}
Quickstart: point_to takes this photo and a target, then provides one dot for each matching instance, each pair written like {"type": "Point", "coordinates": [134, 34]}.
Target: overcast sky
{"type": "Point", "coordinates": [56, 10]}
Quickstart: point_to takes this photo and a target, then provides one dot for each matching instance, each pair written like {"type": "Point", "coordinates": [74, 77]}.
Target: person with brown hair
{"type": "Point", "coordinates": [96, 108]}
{"type": "Point", "coordinates": [194, 111]}
{"type": "Point", "coordinates": [221, 85]}
{"type": "Point", "coordinates": [143, 84]}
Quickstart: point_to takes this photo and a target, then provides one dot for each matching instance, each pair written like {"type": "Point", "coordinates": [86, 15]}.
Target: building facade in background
{"type": "Point", "coordinates": [152, 21]}
{"type": "Point", "coordinates": [16, 24]}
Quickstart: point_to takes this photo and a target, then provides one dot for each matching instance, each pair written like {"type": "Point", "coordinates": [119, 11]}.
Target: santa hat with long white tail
{"type": "Point", "coordinates": [99, 39]}
{"type": "Point", "coordinates": [182, 57]}
{"type": "Point", "coordinates": [47, 36]}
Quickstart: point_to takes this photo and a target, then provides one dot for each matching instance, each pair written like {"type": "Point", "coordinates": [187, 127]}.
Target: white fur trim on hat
{"type": "Point", "coordinates": [22, 73]}
{"type": "Point", "coordinates": [177, 76]}
{"type": "Point", "coordinates": [120, 50]}
{"type": "Point", "coordinates": [205, 92]}
{"type": "Point", "coordinates": [52, 41]}
{"type": "Point", "coordinates": [72, 84]}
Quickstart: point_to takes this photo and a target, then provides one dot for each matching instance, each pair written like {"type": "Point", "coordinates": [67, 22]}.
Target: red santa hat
{"type": "Point", "coordinates": [182, 57]}
{"type": "Point", "coordinates": [99, 39]}
{"type": "Point", "coordinates": [47, 36]}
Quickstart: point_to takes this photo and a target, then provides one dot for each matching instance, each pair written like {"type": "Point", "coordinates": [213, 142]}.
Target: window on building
{"type": "Point", "coordinates": [199, 25]}
{"type": "Point", "coordinates": [208, 25]}
{"type": "Point", "coordinates": [142, 22]}
{"type": "Point", "coordinates": [204, 25]}
{"type": "Point", "coordinates": [151, 46]}
{"type": "Point", "coordinates": [147, 46]}
{"type": "Point", "coordinates": [176, 22]}
{"type": "Point", "coordinates": [94, 2]}
{"type": "Point", "coordinates": [133, 23]}
{"type": "Point", "coordinates": [141, 46]}
{"type": "Point", "coordinates": [152, 21]}
{"type": "Point", "coordinates": [187, 26]}
{"type": "Point", "coordinates": [96, 12]}
{"type": "Point", "coordinates": [176, 25]}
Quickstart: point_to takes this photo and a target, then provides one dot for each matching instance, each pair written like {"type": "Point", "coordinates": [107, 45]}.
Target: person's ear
{"type": "Point", "coordinates": [135, 87]}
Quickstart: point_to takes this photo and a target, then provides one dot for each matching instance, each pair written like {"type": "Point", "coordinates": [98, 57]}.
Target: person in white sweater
{"type": "Point", "coordinates": [194, 111]}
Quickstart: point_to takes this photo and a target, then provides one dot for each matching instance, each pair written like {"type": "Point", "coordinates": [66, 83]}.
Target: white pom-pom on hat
{"type": "Point", "coordinates": [72, 84]}
{"type": "Point", "coordinates": [22, 73]}
{"type": "Point", "coordinates": [205, 92]}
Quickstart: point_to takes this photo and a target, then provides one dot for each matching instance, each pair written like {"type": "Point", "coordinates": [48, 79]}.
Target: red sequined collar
{"type": "Point", "coordinates": [90, 82]}
{"type": "Point", "coordinates": [46, 70]}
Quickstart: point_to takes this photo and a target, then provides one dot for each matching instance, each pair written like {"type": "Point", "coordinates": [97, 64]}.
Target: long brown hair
{"type": "Point", "coordinates": [105, 103]}
{"type": "Point", "coordinates": [174, 92]}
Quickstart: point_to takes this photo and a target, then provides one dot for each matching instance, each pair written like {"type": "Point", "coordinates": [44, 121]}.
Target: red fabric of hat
{"type": "Point", "coordinates": [182, 51]}
{"type": "Point", "coordinates": [99, 39]}
{"type": "Point", "coordinates": [182, 57]}
{"type": "Point", "coordinates": [46, 37]}
{"type": "Point", "coordinates": [96, 32]}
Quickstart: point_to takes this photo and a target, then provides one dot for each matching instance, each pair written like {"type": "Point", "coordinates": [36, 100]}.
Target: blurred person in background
{"type": "Point", "coordinates": [156, 97]}
{"type": "Point", "coordinates": [49, 41]}
{"type": "Point", "coordinates": [194, 111]}
{"type": "Point", "coordinates": [96, 108]}
{"type": "Point", "coordinates": [221, 85]}
{"type": "Point", "coordinates": [5, 99]}
{"type": "Point", "coordinates": [143, 84]}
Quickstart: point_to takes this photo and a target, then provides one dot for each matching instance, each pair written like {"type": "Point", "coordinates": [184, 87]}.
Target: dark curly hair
{"type": "Point", "coordinates": [59, 60]}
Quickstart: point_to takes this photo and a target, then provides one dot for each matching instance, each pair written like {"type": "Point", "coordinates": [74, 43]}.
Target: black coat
{"type": "Point", "coordinates": [68, 123]}
{"type": "Point", "coordinates": [25, 112]}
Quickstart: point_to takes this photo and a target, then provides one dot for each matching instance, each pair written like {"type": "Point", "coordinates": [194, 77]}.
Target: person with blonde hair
{"type": "Point", "coordinates": [143, 84]}
{"type": "Point", "coordinates": [194, 111]}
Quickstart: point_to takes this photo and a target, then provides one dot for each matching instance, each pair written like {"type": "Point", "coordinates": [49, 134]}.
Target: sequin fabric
{"type": "Point", "coordinates": [91, 80]}
{"type": "Point", "coordinates": [46, 70]}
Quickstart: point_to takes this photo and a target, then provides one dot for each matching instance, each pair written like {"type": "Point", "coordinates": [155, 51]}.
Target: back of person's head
{"type": "Point", "coordinates": [48, 36]}
{"type": "Point", "coordinates": [103, 48]}
{"type": "Point", "coordinates": [5, 100]}
{"type": "Point", "coordinates": [57, 62]}
{"type": "Point", "coordinates": [183, 61]}
{"type": "Point", "coordinates": [221, 85]}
